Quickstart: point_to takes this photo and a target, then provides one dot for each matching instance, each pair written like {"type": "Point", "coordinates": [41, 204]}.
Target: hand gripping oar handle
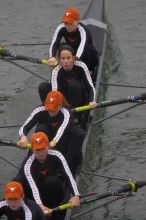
{"type": "Point", "coordinates": [7, 53]}
{"type": "Point", "coordinates": [11, 143]}
{"type": "Point", "coordinates": [112, 102]}
{"type": "Point", "coordinates": [62, 207]}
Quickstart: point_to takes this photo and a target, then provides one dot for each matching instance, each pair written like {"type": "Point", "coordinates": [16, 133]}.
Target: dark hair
{"type": "Point", "coordinates": [65, 47]}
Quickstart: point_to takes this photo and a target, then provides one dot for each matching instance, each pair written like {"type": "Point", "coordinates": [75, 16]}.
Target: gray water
{"type": "Point", "coordinates": [116, 147]}
{"type": "Point", "coordinates": [24, 21]}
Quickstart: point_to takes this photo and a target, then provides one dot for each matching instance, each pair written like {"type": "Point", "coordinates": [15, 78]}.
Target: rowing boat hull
{"type": "Point", "coordinates": [94, 20]}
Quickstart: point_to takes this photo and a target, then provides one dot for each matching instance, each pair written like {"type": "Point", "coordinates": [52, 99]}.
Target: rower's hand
{"type": "Point", "coordinates": [45, 210]}
{"type": "Point", "coordinates": [53, 143]}
{"type": "Point", "coordinates": [23, 142]}
{"type": "Point", "coordinates": [75, 201]}
{"type": "Point", "coordinates": [52, 61]}
{"type": "Point", "coordinates": [93, 104]}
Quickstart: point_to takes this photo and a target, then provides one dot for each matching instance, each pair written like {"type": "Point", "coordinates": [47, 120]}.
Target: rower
{"type": "Point", "coordinates": [58, 123]}
{"type": "Point", "coordinates": [76, 35]}
{"type": "Point", "coordinates": [73, 80]}
{"type": "Point", "coordinates": [44, 175]}
{"type": "Point", "coordinates": [15, 206]}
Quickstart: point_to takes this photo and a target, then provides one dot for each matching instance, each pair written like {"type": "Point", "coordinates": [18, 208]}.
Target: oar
{"type": "Point", "coordinates": [25, 44]}
{"type": "Point", "coordinates": [7, 53]}
{"type": "Point", "coordinates": [117, 113]}
{"type": "Point", "coordinates": [130, 187]}
{"type": "Point", "coordinates": [22, 67]}
{"type": "Point", "coordinates": [99, 206]}
{"type": "Point", "coordinates": [10, 126]}
{"type": "Point", "coordinates": [103, 104]}
{"type": "Point", "coordinates": [121, 85]}
{"type": "Point", "coordinates": [11, 143]}
{"type": "Point", "coordinates": [103, 176]}
{"type": "Point", "coordinates": [7, 161]}
{"type": "Point", "coordinates": [69, 205]}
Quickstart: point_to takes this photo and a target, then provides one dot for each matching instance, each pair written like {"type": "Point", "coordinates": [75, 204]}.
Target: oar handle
{"type": "Point", "coordinates": [103, 104]}
{"type": "Point", "coordinates": [82, 108]}
{"type": "Point", "coordinates": [27, 145]}
{"type": "Point", "coordinates": [11, 143]}
{"type": "Point", "coordinates": [62, 207]}
{"type": "Point", "coordinates": [44, 61]}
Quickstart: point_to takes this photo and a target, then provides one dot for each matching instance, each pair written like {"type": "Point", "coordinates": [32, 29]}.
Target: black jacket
{"type": "Point", "coordinates": [28, 211]}
{"type": "Point", "coordinates": [33, 174]}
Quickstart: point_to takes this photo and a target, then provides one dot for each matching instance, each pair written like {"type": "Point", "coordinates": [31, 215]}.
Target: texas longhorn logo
{"type": "Point", "coordinates": [52, 99]}
{"type": "Point", "coordinates": [67, 13]}
{"type": "Point", "coordinates": [38, 139]}
{"type": "Point", "coordinates": [12, 188]}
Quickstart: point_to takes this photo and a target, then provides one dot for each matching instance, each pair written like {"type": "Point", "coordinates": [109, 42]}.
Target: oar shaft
{"type": "Point", "coordinates": [4, 52]}
{"type": "Point", "coordinates": [112, 102]}
{"type": "Point", "coordinates": [11, 143]}
{"type": "Point", "coordinates": [96, 197]}
{"type": "Point", "coordinates": [26, 44]}
{"type": "Point", "coordinates": [130, 187]}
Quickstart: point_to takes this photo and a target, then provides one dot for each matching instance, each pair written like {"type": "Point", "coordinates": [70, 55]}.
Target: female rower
{"type": "Point", "coordinates": [76, 35]}
{"type": "Point", "coordinates": [58, 124]}
{"type": "Point", "coordinates": [44, 176]}
{"type": "Point", "coordinates": [73, 80]}
{"type": "Point", "coordinates": [15, 206]}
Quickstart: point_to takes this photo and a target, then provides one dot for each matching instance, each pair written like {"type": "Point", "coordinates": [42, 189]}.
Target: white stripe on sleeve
{"type": "Point", "coordinates": [87, 73]}
{"type": "Point", "coordinates": [30, 179]}
{"type": "Point", "coordinates": [63, 125]}
{"type": "Point", "coordinates": [83, 41]}
{"type": "Point", "coordinates": [39, 109]}
{"type": "Point", "coordinates": [54, 77]}
{"type": "Point", "coordinates": [55, 37]}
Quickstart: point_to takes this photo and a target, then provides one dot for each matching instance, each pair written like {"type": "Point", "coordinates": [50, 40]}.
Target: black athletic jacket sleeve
{"type": "Point", "coordinates": [29, 210]}
{"type": "Point", "coordinates": [31, 121]}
